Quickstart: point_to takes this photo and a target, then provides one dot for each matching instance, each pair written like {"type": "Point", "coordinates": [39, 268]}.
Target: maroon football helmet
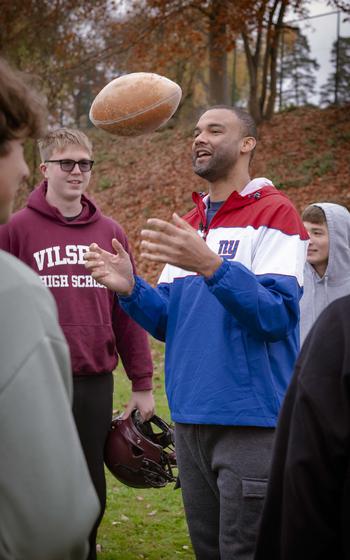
{"type": "Point", "coordinates": [137, 454]}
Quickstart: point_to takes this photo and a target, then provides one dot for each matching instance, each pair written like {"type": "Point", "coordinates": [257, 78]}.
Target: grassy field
{"type": "Point", "coordinates": [148, 523]}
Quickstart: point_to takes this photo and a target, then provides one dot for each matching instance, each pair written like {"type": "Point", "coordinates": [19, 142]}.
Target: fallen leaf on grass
{"type": "Point", "coordinates": [151, 513]}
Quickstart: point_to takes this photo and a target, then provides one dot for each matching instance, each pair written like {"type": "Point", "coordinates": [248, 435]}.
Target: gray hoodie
{"type": "Point", "coordinates": [335, 283]}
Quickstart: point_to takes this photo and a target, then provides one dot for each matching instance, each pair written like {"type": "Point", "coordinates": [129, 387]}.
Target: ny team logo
{"type": "Point", "coordinates": [228, 248]}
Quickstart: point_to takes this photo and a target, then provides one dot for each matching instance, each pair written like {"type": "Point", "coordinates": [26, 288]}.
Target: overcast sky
{"type": "Point", "coordinates": [321, 33]}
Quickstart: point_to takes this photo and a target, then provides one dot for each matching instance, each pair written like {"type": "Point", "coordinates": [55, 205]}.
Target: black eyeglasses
{"type": "Point", "coordinates": [68, 165]}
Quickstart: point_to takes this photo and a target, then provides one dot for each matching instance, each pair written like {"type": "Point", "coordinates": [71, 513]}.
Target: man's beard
{"type": "Point", "coordinates": [216, 168]}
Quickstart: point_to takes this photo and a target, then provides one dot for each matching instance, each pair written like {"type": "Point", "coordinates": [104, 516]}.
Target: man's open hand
{"type": "Point", "coordinates": [114, 271]}
{"type": "Point", "coordinates": [177, 243]}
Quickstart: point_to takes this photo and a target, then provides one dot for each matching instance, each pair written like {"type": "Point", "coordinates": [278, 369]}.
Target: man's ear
{"type": "Point", "coordinates": [43, 169]}
{"type": "Point", "coordinates": [248, 144]}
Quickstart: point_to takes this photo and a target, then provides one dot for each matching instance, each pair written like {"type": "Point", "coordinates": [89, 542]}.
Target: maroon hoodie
{"type": "Point", "coordinates": [96, 328]}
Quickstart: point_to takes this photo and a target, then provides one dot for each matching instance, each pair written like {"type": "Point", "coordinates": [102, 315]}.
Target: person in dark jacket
{"type": "Point", "coordinates": [51, 235]}
{"type": "Point", "coordinates": [307, 509]}
{"type": "Point", "coordinates": [48, 504]}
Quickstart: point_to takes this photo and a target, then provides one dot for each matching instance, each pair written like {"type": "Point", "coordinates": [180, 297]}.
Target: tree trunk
{"type": "Point", "coordinates": [253, 103]}
{"type": "Point", "coordinates": [218, 86]}
{"type": "Point", "coordinates": [273, 61]}
{"type": "Point", "coordinates": [266, 34]}
{"type": "Point", "coordinates": [268, 42]}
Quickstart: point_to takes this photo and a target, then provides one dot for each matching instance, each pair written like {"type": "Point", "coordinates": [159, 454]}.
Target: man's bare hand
{"type": "Point", "coordinates": [177, 243]}
{"type": "Point", "coordinates": [114, 271]}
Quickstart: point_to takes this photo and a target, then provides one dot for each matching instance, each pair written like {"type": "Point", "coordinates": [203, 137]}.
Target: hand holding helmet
{"type": "Point", "coordinates": [141, 454]}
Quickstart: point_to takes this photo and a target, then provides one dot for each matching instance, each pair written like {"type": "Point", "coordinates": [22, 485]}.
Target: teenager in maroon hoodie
{"type": "Point", "coordinates": [51, 235]}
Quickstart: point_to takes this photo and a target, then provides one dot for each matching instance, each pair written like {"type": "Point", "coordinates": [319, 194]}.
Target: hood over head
{"type": "Point", "coordinates": [335, 283]}
{"type": "Point", "coordinates": [338, 223]}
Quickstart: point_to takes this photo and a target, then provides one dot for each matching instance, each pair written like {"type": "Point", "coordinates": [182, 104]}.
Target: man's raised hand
{"type": "Point", "coordinates": [177, 243]}
{"type": "Point", "coordinates": [114, 271]}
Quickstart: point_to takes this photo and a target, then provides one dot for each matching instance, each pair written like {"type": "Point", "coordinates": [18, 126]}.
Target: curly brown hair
{"type": "Point", "coordinates": [22, 108]}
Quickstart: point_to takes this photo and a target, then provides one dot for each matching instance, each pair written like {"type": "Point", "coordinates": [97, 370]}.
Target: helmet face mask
{"type": "Point", "coordinates": [139, 455]}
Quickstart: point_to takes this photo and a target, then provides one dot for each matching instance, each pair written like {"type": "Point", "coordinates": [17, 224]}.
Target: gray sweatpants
{"type": "Point", "coordinates": [223, 472]}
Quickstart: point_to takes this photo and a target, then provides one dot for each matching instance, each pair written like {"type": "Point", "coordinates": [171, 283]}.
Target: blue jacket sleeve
{"type": "Point", "coordinates": [131, 340]}
{"type": "Point", "coordinates": [268, 304]}
{"type": "Point", "coordinates": [152, 313]}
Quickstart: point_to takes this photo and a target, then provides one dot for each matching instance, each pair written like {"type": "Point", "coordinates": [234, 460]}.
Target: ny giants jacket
{"type": "Point", "coordinates": [232, 339]}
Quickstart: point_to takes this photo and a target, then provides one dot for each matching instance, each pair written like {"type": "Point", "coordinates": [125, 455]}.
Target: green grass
{"type": "Point", "coordinates": [148, 523]}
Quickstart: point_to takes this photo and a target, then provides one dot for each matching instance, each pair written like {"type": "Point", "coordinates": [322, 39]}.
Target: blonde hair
{"type": "Point", "coordinates": [22, 108]}
{"type": "Point", "coordinates": [61, 138]}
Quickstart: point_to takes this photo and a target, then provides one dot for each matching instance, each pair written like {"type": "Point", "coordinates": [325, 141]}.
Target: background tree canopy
{"type": "Point", "coordinates": [219, 51]}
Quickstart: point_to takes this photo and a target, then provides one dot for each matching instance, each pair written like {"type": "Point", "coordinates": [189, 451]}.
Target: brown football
{"type": "Point", "coordinates": [135, 104]}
